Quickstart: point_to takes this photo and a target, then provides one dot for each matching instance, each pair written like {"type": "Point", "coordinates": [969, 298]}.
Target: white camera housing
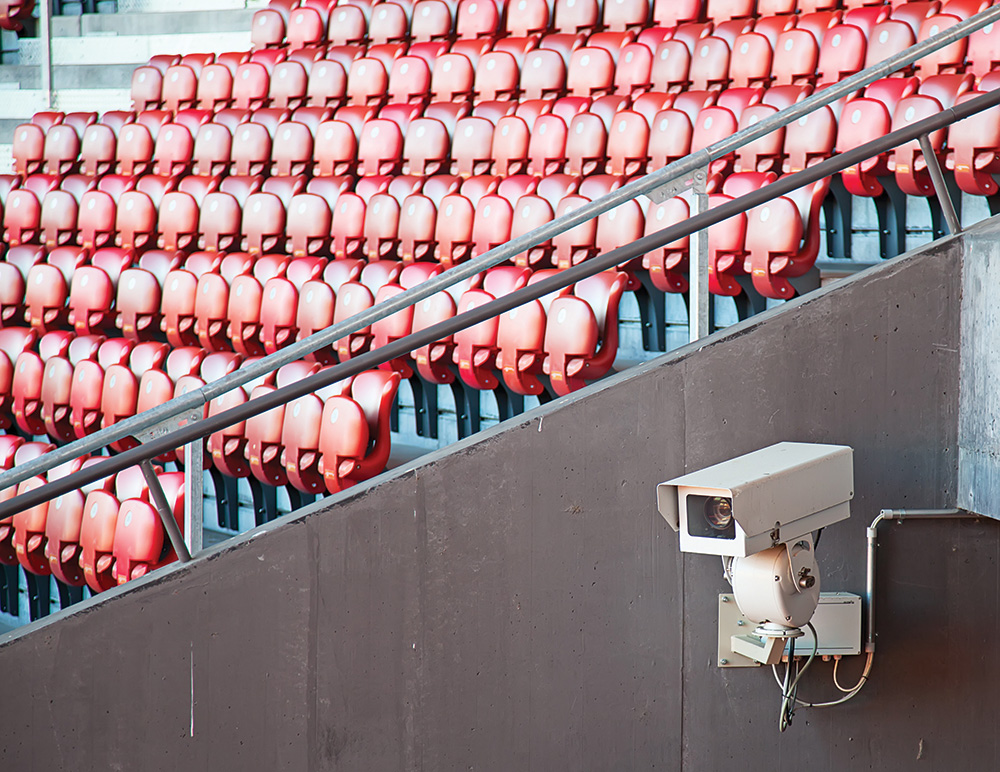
{"type": "Point", "coordinates": [775, 496]}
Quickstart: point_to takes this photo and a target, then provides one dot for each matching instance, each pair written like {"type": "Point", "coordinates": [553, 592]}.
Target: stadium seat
{"type": "Point", "coordinates": [782, 239]}
{"type": "Point", "coordinates": [974, 150]}
{"type": "Point", "coordinates": [796, 55]}
{"type": "Point", "coordinates": [140, 292]}
{"type": "Point", "coordinates": [951, 58]}
{"type": "Point", "coordinates": [355, 446]}
{"type": "Point", "coordinates": [63, 526]}
{"type": "Point", "coordinates": [453, 231]}
{"type": "Point", "coordinates": [93, 288]}
{"type": "Point", "coordinates": [212, 300]}
{"type": "Point", "coordinates": [140, 544]}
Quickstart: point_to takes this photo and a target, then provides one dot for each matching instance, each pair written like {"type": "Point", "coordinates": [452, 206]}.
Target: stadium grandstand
{"type": "Point", "coordinates": [343, 344]}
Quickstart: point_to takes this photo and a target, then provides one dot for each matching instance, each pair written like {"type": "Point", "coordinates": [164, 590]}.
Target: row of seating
{"type": "Point", "coordinates": [100, 536]}
{"type": "Point", "coordinates": [244, 308]}
{"type": "Point", "coordinates": [320, 23]}
{"type": "Point", "coordinates": [677, 60]}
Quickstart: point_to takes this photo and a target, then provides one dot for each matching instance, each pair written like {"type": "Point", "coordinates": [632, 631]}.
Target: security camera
{"type": "Point", "coordinates": [751, 503]}
{"type": "Point", "coordinates": [759, 512]}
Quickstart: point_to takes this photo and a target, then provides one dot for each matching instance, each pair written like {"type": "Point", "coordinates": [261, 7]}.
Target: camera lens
{"type": "Point", "coordinates": [719, 512]}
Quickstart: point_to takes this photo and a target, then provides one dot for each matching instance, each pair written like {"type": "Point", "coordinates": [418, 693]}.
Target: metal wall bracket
{"type": "Point", "coordinates": [677, 186]}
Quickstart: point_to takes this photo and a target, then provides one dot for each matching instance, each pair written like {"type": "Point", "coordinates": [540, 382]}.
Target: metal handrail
{"type": "Point", "coordinates": [195, 431]}
{"type": "Point", "coordinates": [197, 398]}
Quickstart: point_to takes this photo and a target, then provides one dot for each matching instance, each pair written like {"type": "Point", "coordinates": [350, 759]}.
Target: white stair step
{"type": "Point", "coordinates": [22, 103]}
{"type": "Point", "coordinates": [131, 49]}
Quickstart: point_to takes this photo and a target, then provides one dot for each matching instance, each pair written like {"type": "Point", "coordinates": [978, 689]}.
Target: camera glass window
{"type": "Point", "coordinates": [711, 517]}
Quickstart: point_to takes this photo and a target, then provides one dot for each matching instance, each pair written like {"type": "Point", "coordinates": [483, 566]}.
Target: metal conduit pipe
{"type": "Point", "coordinates": [898, 515]}
{"type": "Point", "coordinates": [646, 185]}
{"type": "Point", "coordinates": [197, 430]}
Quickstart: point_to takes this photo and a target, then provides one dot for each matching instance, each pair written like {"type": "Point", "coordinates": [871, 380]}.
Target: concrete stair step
{"type": "Point", "coordinates": [173, 20]}
{"type": "Point", "coordinates": [130, 49]}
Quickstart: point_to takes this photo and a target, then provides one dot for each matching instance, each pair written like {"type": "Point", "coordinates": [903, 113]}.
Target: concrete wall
{"type": "Point", "coordinates": [978, 433]}
{"type": "Point", "coordinates": [518, 604]}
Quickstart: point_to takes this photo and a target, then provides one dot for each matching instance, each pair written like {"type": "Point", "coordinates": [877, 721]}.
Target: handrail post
{"type": "Point", "coordinates": [698, 297]}
{"type": "Point", "coordinates": [45, 22]}
{"type": "Point", "coordinates": [194, 495]}
{"type": "Point", "coordinates": [940, 186]}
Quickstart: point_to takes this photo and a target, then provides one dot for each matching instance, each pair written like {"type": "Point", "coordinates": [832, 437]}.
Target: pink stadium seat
{"type": "Point", "coordinates": [974, 150]}
{"type": "Point", "coordinates": [63, 528]}
{"type": "Point", "coordinates": [93, 289]}
{"type": "Point", "coordinates": [453, 78]}
{"type": "Point", "coordinates": [669, 138]}
{"type": "Point", "coordinates": [628, 144]}
{"type": "Point", "coordinates": [796, 55]}
{"type": "Point", "coordinates": [349, 453]}
{"type": "Point", "coordinates": [263, 431]}
{"type": "Point", "coordinates": [710, 64]}
{"type": "Point", "coordinates": [140, 544]}
{"type": "Point", "coordinates": [951, 58]}
{"type": "Point", "coordinates": [671, 67]}
{"type": "Point", "coordinates": [212, 300]}
{"type": "Point", "coordinates": [244, 305]}
{"type": "Point", "coordinates": [61, 154]}
{"type": "Point", "coordinates": [783, 239]}
{"type": "Point", "coordinates": [476, 20]}
{"type": "Point", "coordinates": [380, 148]}
{"type": "Point", "coordinates": [453, 231]}
{"type": "Point", "coordinates": [139, 294]}
{"type": "Point", "coordinates": [432, 20]}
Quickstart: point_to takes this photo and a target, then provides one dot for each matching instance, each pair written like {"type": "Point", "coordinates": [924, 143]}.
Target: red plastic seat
{"type": "Point", "coordinates": [180, 88]}
{"type": "Point", "coordinates": [974, 150]}
{"type": "Point", "coordinates": [120, 391]}
{"type": "Point", "coordinates": [842, 53]}
{"type": "Point", "coordinates": [352, 450]}
{"type": "Point", "coordinates": [251, 86]}
{"type": "Point", "coordinates": [863, 120]}
{"type": "Point", "coordinates": [147, 88]}
{"type": "Point", "coordinates": [669, 138]}
{"type": "Point", "coordinates": [212, 301]}
{"type": "Point", "coordinates": [380, 148]}
{"type": "Point", "coordinates": [63, 527]}
{"type": "Point", "coordinates": [139, 295]}
{"type": "Point", "coordinates": [951, 58]}
{"type": "Point", "coordinates": [355, 297]}
{"type": "Point", "coordinates": [908, 161]}
{"type": "Point", "coordinates": [263, 431]}
{"type": "Point", "coordinates": [93, 288]}
{"type": "Point", "coordinates": [782, 239]}
{"type": "Point", "coordinates": [140, 544]}
{"type": "Point", "coordinates": [453, 231]}
{"type": "Point", "coordinates": [810, 139]}
{"type": "Point", "coordinates": [796, 56]}
{"type": "Point", "coordinates": [348, 226]}
{"type": "Point", "coordinates": [578, 243]}
{"type": "Point", "coordinates": [427, 148]}
{"type": "Point", "coordinates": [476, 20]}
{"type": "Point", "coordinates": [511, 140]}
{"type": "Point", "coordinates": [13, 275]}
{"type": "Point", "coordinates": [367, 82]}
{"type": "Point", "coordinates": [88, 383]}
{"type": "Point", "coordinates": [667, 265]}
{"type": "Point", "coordinates": [432, 20]}
{"type": "Point", "coordinates": [47, 288]}
{"type": "Point", "coordinates": [58, 219]}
